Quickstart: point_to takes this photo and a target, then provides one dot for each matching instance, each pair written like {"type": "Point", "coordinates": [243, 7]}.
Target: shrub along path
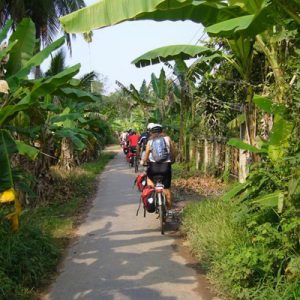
{"type": "Point", "coordinates": [120, 256]}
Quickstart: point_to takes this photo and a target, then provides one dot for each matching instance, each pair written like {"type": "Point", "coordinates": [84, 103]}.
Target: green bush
{"type": "Point", "coordinates": [26, 258]}
{"type": "Point", "coordinates": [245, 259]}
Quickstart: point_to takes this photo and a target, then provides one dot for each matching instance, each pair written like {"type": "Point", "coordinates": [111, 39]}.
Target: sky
{"type": "Point", "coordinates": [113, 48]}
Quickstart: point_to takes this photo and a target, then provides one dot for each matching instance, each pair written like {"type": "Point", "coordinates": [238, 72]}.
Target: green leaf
{"type": "Point", "coordinates": [172, 52]}
{"type": "Point", "coordinates": [5, 30]}
{"type": "Point", "coordinates": [7, 148]}
{"type": "Point", "coordinates": [235, 123]}
{"type": "Point", "coordinates": [69, 133]}
{"type": "Point", "coordinates": [270, 200]}
{"type": "Point", "coordinates": [279, 138]}
{"type": "Point", "coordinates": [78, 94]}
{"type": "Point", "coordinates": [229, 27]}
{"type": "Point", "coordinates": [25, 149]}
{"type": "Point", "coordinates": [10, 110]}
{"type": "Point", "coordinates": [244, 146]}
{"type": "Point", "coordinates": [264, 103]}
{"type": "Point", "coordinates": [238, 188]}
{"type": "Point", "coordinates": [49, 86]}
{"type": "Point", "coordinates": [258, 19]}
{"type": "Point", "coordinates": [110, 12]}
{"type": "Point", "coordinates": [23, 51]}
{"type": "Point", "coordinates": [36, 60]}
{"type": "Point", "coordinates": [66, 120]}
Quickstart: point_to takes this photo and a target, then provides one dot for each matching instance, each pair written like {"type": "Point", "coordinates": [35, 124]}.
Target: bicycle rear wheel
{"type": "Point", "coordinates": [161, 219]}
{"type": "Point", "coordinates": [161, 211]}
{"type": "Point", "coordinates": [136, 164]}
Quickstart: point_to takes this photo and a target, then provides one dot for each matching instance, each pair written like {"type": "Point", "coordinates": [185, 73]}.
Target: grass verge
{"type": "Point", "coordinates": [239, 263]}
{"type": "Point", "coordinates": [29, 257]}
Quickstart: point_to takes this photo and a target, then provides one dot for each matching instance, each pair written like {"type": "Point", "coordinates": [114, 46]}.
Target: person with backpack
{"type": "Point", "coordinates": [160, 154]}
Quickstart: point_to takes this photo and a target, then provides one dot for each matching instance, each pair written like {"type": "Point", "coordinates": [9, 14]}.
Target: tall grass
{"type": "Point", "coordinates": [28, 257]}
{"type": "Point", "coordinates": [239, 267]}
{"type": "Point", "coordinates": [210, 229]}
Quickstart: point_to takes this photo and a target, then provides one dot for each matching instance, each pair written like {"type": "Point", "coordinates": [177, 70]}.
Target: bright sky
{"type": "Point", "coordinates": [113, 49]}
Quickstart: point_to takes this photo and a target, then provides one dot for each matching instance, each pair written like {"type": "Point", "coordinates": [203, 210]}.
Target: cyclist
{"type": "Point", "coordinates": [123, 138]}
{"type": "Point", "coordinates": [132, 140]}
{"type": "Point", "coordinates": [160, 168]}
{"type": "Point", "coordinates": [143, 141]}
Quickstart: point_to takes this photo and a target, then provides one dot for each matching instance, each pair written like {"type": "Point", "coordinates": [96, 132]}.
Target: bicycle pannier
{"type": "Point", "coordinates": [159, 149]}
{"type": "Point", "coordinates": [148, 199]}
{"type": "Point", "coordinates": [141, 182]}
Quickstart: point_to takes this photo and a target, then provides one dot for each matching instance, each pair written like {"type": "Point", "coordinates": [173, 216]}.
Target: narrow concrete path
{"type": "Point", "coordinates": [120, 256]}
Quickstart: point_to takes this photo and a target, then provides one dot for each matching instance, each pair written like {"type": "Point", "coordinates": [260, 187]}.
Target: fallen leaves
{"type": "Point", "coordinates": [199, 185]}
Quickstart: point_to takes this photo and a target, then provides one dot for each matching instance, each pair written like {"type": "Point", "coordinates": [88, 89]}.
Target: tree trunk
{"type": "Point", "coordinates": [66, 159]}
{"type": "Point", "coordinates": [226, 173]}
{"type": "Point", "coordinates": [197, 154]}
{"type": "Point", "coordinates": [216, 157]}
{"type": "Point", "coordinates": [205, 157]}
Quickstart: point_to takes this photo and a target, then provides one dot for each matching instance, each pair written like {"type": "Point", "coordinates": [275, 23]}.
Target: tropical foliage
{"type": "Point", "coordinates": [243, 90]}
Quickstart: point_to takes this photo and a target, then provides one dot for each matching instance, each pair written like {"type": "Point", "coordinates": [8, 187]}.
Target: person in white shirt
{"type": "Point", "coordinates": [162, 168]}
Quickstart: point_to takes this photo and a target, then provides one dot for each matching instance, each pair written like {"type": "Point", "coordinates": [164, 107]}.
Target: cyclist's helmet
{"type": "Point", "coordinates": [149, 126]}
{"type": "Point", "coordinates": [155, 128]}
{"type": "Point", "coordinates": [133, 131]}
{"type": "Point", "coordinates": [129, 131]}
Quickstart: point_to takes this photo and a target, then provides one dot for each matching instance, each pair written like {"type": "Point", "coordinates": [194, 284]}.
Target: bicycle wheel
{"type": "Point", "coordinates": [136, 164]}
{"type": "Point", "coordinates": [161, 212]}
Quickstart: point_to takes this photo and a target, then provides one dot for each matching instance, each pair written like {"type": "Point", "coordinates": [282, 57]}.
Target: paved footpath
{"type": "Point", "coordinates": [120, 256]}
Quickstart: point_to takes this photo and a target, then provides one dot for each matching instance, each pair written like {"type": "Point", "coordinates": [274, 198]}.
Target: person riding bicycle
{"type": "Point", "coordinates": [143, 142]}
{"type": "Point", "coordinates": [160, 166]}
{"type": "Point", "coordinates": [132, 140]}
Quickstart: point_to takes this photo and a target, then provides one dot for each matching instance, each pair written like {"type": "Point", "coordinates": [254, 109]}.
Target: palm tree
{"type": "Point", "coordinates": [45, 16]}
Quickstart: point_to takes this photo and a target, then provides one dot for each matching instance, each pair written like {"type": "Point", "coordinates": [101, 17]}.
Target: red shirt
{"type": "Point", "coordinates": [133, 140]}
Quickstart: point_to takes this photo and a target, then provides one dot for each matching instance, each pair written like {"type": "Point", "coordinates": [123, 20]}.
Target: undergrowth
{"type": "Point", "coordinates": [243, 261]}
{"type": "Point", "coordinates": [30, 256]}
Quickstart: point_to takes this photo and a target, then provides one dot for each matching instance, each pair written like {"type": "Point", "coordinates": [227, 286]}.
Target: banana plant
{"type": "Point", "coordinates": [139, 97]}
{"type": "Point", "coordinates": [22, 95]}
{"type": "Point", "coordinates": [273, 150]}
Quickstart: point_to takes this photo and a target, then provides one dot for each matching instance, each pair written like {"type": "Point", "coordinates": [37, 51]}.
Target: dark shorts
{"type": "Point", "coordinates": [163, 169]}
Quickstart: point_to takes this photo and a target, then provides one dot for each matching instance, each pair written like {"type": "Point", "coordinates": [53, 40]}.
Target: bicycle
{"type": "Point", "coordinates": [133, 159]}
{"type": "Point", "coordinates": [160, 201]}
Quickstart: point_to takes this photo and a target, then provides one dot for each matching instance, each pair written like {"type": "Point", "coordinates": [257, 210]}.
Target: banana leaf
{"type": "Point", "coordinates": [236, 122]}
{"type": "Point", "coordinates": [50, 85]}
{"type": "Point", "coordinates": [34, 61]}
{"type": "Point", "coordinates": [23, 51]}
{"type": "Point", "coordinates": [25, 149]}
{"type": "Point", "coordinates": [238, 188]}
{"type": "Point", "coordinates": [77, 94]}
{"type": "Point", "coordinates": [263, 103]}
{"type": "Point", "coordinates": [111, 12]}
{"type": "Point", "coordinates": [256, 21]}
{"type": "Point", "coordinates": [10, 110]}
{"type": "Point", "coordinates": [70, 133]}
{"type": "Point", "coordinates": [244, 146]}
{"type": "Point", "coordinates": [7, 148]}
{"type": "Point", "coordinates": [5, 30]}
{"type": "Point", "coordinates": [266, 104]}
{"type": "Point", "coordinates": [279, 138]}
{"type": "Point", "coordinates": [275, 199]}
{"type": "Point", "coordinates": [168, 53]}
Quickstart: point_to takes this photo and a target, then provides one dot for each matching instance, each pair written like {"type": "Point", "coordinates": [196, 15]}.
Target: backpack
{"type": "Point", "coordinates": [147, 198]}
{"type": "Point", "coordinates": [159, 149]}
{"type": "Point", "coordinates": [141, 181]}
